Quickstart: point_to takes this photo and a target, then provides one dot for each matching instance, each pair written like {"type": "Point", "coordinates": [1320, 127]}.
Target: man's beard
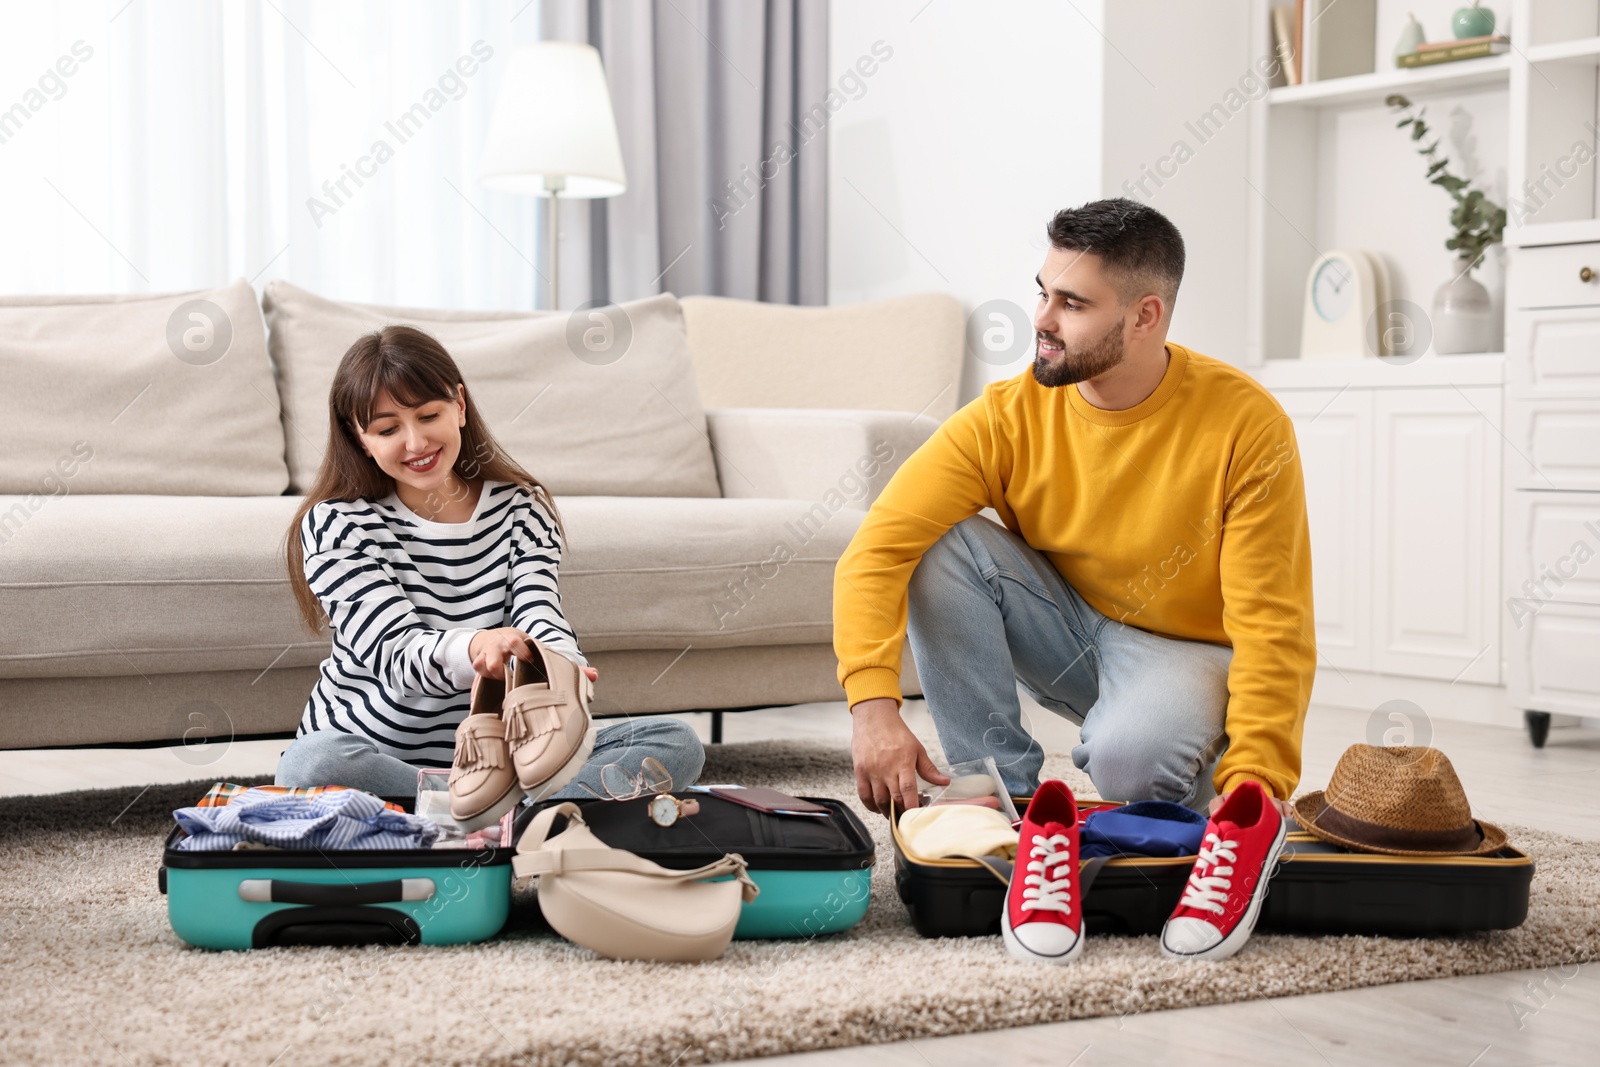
{"type": "Point", "coordinates": [1070, 366]}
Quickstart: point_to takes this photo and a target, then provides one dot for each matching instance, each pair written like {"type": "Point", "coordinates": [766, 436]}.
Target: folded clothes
{"type": "Point", "coordinates": [224, 792]}
{"type": "Point", "coordinates": [333, 819]}
{"type": "Point", "coordinates": [1143, 828]}
{"type": "Point", "coordinates": [946, 830]}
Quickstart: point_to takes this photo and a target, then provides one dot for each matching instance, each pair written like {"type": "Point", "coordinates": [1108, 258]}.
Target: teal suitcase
{"type": "Point", "coordinates": [260, 898]}
{"type": "Point", "coordinates": [815, 874]}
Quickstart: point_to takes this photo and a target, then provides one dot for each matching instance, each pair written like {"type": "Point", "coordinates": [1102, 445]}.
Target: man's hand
{"type": "Point", "coordinates": [887, 757]}
{"type": "Point", "coordinates": [1282, 805]}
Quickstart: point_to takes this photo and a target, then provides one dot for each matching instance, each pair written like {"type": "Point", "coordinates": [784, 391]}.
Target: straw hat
{"type": "Point", "coordinates": [1401, 800]}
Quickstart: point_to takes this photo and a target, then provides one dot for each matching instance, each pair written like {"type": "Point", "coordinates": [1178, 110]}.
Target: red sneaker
{"type": "Point", "coordinates": [1043, 918]}
{"type": "Point", "coordinates": [1229, 881]}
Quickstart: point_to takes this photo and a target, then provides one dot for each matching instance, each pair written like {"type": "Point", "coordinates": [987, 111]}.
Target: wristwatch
{"type": "Point", "coordinates": [665, 809]}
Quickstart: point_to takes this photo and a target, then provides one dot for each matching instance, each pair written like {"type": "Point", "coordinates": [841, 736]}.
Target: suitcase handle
{"type": "Point", "coordinates": [327, 894]}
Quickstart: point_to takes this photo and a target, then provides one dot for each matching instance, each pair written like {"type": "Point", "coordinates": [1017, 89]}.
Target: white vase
{"type": "Point", "coordinates": [1462, 317]}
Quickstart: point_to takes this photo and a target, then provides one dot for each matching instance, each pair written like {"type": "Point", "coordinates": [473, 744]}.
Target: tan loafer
{"type": "Point", "coordinates": [483, 784]}
{"type": "Point", "coordinates": [547, 723]}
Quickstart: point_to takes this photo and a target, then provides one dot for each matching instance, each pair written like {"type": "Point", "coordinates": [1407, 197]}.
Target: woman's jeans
{"type": "Point", "coordinates": [986, 610]}
{"type": "Point", "coordinates": [333, 757]}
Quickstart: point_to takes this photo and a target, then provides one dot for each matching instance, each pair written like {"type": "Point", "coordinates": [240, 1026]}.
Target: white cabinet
{"type": "Point", "coordinates": [1334, 432]}
{"type": "Point", "coordinates": [1553, 601]}
{"type": "Point", "coordinates": [1436, 554]}
{"type": "Point", "coordinates": [1553, 660]}
{"type": "Point", "coordinates": [1552, 589]}
{"type": "Point", "coordinates": [1403, 498]}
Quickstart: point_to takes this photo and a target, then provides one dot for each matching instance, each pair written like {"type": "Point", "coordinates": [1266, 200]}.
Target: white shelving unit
{"type": "Point", "coordinates": [1402, 458]}
{"type": "Point", "coordinates": [1372, 88]}
{"type": "Point", "coordinates": [1450, 497]}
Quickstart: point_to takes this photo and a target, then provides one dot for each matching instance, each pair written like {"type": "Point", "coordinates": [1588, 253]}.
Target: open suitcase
{"type": "Point", "coordinates": [259, 898]}
{"type": "Point", "coordinates": [1318, 889]}
{"type": "Point", "coordinates": [815, 874]}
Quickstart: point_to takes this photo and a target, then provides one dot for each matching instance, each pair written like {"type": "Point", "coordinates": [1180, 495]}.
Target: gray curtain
{"type": "Point", "coordinates": [719, 106]}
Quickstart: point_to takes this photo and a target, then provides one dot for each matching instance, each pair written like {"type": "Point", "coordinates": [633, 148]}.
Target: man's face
{"type": "Point", "coordinates": [1079, 324]}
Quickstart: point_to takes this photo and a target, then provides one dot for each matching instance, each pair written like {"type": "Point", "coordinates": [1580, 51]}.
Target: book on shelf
{"type": "Point", "coordinates": [1283, 45]}
{"type": "Point", "coordinates": [1453, 54]}
{"type": "Point", "coordinates": [1299, 39]}
{"type": "Point", "coordinates": [1492, 38]}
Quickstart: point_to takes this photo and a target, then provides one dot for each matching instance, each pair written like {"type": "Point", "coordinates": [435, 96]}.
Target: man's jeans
{"type": "Point", "coordinates": [986, 610]}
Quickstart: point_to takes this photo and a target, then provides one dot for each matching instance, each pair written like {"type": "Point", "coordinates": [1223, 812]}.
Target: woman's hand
{"type": "Point", "coordinates": [489, 650]}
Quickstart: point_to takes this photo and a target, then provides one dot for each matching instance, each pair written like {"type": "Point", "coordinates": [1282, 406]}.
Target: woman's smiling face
{"type": "Point", "coordinates": [399, 436]}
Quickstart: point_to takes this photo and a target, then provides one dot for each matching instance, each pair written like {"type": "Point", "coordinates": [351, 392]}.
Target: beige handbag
{"type": "Point", "coordinates": [624, 906]}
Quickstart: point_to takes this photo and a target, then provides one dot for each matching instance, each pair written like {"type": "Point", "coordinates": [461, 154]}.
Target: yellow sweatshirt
{"type": "Point", "coordinates": [1184, 515]}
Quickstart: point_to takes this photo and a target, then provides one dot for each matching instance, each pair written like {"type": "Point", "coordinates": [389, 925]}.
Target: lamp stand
{"type": "Point", "coordinates": [553, 185]}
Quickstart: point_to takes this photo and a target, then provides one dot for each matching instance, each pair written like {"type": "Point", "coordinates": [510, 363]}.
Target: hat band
{"type": "Point", "coordinates": [1460, 839]}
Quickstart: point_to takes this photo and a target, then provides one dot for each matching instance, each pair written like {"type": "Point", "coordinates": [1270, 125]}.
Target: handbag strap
{"type": "Point", "coordinates": [533, 858]}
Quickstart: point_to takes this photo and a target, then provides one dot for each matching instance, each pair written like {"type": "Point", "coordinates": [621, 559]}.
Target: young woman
{"type": "Point", "coordinates": [433, 556]}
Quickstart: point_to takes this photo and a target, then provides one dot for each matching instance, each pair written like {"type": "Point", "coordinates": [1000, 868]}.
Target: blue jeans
{"type": "Point", "coordinates": [333, 757]}
{"type": "Point", "coordinates": [987, 610]}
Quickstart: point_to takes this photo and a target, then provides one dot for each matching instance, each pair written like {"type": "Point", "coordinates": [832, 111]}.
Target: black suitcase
{"type": "Point", "coordinates": [1318, 889]}
{"type": "Point", "coordinates": [815, 874]}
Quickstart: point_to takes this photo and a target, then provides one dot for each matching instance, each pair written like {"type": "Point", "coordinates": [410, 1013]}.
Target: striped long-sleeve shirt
{"type": "Point", "coordinates": [405, 596]}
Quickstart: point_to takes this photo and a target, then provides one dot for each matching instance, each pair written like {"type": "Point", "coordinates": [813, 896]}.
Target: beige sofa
{"type": "Point", "coordinates": [158, 447]}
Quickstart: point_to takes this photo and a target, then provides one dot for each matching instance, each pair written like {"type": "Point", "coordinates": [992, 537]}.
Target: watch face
{"type": "Point", "coordinates": [1334, 289]}
{"type": "Point", "coordinates": [663, 811]}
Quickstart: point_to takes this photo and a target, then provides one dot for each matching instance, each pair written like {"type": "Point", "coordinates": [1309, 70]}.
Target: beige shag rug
{"type": "Point", "coordinates": [93, 974]}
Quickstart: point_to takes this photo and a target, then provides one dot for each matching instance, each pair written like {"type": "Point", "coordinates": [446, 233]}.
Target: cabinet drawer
{"type": "Point", "coordinates": [1559, 442]}
{"type": "Point", "coordinates": [1554, 543]}
{"type": "Point", "coordinates": [1556, 352]}
{"type": "Point", "coordinates": [1551, 276]}
{"type": "Point", "coordinates": [1553, 662]}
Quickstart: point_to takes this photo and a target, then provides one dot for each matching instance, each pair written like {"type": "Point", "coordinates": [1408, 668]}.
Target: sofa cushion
{"type": "Point", "coordinates": [899, 354]}
{"type": "Point", "coordinates": [125, 585]}
{"type": "Point", "coordinates": [170, 393]}
{"type": "Point", "coordinates": [661, 573]}
{"type": "Point", "coordinates": [625, 426]}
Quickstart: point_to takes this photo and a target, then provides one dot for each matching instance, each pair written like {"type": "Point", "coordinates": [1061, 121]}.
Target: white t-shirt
{"type": "Point", "coordinates": [405, 596]}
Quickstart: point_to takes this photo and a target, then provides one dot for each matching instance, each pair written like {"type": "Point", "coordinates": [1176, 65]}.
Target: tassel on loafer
{"type": "Point", "coordinates": [547, 725]}
{"type": "Point", "coordinates": [483, 783]}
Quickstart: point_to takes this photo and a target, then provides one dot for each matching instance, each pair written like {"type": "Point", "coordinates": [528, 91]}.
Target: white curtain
{"type": "Point", "coordinates": [333, 144]}
{"type": "Point", "coordinates": [159, 145]}
{"type": "Point", "coordinates": [717, 104]}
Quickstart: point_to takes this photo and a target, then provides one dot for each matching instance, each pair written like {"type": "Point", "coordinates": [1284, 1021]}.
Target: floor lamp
{"type": "Point", "coordinates": [553, 134]}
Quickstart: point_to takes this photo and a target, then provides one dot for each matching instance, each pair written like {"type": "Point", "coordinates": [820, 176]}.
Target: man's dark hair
{"type": "Point", "coordinates": [1140, 250]}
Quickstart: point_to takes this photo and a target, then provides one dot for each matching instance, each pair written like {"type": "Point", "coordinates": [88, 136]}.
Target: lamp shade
{"type": "Point", "coordinates": [553, 120]}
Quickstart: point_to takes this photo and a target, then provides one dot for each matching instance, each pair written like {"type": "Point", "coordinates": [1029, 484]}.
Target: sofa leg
{"type": "Point", "coordinates": [716, 727]}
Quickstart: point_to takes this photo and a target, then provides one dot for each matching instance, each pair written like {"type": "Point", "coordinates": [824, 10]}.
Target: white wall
{"type": "Point", "coordinates": [1172, 60]}
{"type": "Point", "coordinates": [943, 173]}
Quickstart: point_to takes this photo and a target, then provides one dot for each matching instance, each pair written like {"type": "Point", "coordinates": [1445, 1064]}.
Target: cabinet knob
{"type": "Point", "coordinates": [1585, 274]}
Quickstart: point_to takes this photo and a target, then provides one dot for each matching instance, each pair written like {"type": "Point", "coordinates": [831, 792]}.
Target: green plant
{"type": "Point", "coordinates": [1478, 221]}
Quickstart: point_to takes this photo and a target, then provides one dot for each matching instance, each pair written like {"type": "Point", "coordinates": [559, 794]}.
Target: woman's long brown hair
{"type": "Point", "coordinates": [414, 368]}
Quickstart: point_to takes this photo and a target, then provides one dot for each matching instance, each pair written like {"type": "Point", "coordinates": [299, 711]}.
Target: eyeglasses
{"type": "Point", "coordinates": [620, 783]}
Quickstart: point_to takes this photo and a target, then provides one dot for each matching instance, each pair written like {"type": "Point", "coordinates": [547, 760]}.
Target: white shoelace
{"type": "Point", "coordinates": [1210, 893]}
{"type": "Point", "coordinates": [1047, 889]}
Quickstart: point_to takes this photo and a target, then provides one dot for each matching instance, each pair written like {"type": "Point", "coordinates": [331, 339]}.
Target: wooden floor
{"type": "Point", "coordinates": [1516, 1019]}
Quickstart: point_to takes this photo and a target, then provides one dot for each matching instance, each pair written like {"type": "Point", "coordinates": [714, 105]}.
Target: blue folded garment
{"type": "Point", "coordinates": [1143, 828]}
{"type": "Point", "coordinates": [344, 819]}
